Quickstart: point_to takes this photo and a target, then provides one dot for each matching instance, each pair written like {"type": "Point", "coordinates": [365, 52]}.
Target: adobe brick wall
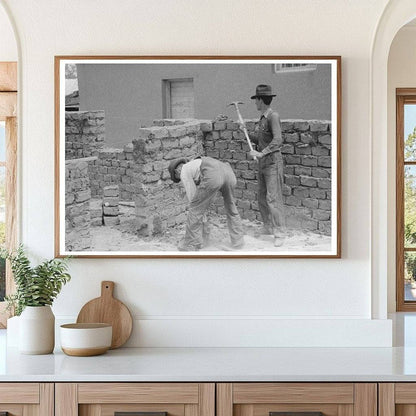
{"type": "Point", "coordinates": [307, 170]}
{"type": "Point", "coordinates": [84, 133]}
{"type": "Point", "coordinates": [159, 202]}
{"type": "Point", "coordinates": [113, 167]}
{"type": "Point", "coordinates": [77, 204]}
{"type": "Point", "coordinates": [140, 170]}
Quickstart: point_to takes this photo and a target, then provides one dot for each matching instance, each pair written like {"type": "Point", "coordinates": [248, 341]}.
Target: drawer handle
{"type": "Point", "coordinates": [138, 414]}
{"type": "Point", "coordinates": [296, 414]}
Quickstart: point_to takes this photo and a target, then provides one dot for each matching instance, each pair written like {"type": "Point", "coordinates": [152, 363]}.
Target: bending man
{"type": "Point", "coordinates": [202, 178]}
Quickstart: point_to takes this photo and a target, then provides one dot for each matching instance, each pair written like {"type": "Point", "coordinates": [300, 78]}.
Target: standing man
{"type": "Point", "coordinates": [202, 178]}
{"type": "Point", "coordinates": [268, 137]}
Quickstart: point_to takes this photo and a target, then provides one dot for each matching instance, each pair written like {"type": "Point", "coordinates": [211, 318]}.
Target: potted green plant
{"type": "Point", "coordinates": [36, 289]}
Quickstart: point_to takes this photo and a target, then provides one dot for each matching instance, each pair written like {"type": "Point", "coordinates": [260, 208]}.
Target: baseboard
{"type": "Point", "coordinates": [258, 332]}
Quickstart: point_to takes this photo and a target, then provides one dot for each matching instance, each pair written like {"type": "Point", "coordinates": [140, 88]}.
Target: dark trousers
{"type": "Point", "coordinates": [215, 176]}
{"type": "Point", "coordinates": [270, 192]}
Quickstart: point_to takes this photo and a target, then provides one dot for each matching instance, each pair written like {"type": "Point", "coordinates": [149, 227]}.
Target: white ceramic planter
{"type": "Point", "coordinates": [37, 330]}
{"type": "Point", "coordinates": [13, 331]}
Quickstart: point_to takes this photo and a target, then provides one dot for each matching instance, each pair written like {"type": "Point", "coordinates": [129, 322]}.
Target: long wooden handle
{"type": "Point", "coordinates": [107, 289]}
{"type": "Point", "coordinates": [240, 119]}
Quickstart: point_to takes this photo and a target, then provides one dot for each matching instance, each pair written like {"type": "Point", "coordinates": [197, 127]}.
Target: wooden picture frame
{"type": "Point", "coordinates": [121, 120]}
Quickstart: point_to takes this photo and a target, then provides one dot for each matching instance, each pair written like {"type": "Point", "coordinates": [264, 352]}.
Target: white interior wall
{"type": "Point", "coordinates": [8, 46]}
{"type": "Point", "coordinates": [180, 300]}
{"type": "Point", "coordinates": [401, 74]}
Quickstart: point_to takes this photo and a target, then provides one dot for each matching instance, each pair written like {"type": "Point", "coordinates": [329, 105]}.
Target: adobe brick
{"type": "Point", "coordinates": [173, 154]}
{"type": "Point", "coordinates": [308, 181]}
{"type": "Point", "coordinates": [287, 149]}
{"type": "Point", "coordinates": [186, 141]}
{"type": "Point", "coordinates": [317, 125]}
{"type": "Point", "coordinates": [206, 126]}
{"type": "Point", "coordinates": [293, 201]}
{"type": "Point", "coordinates": [320, 151]}
{"type": "Point", "coordinates": [243, 204]}
{"type": "Point", "coordinates": [289, 170]}
{"type": "Point", "coordinates": [252, 186]}
{"type": "Point", "coordinates": [221, 145]}
{"type": "Point", "coordinates": [291, 137]}
{"type": "Point", "coordinates": [303, 170]}
{"type": "Point", "coordinates": [287, 125]}
{"type": "Point", "coordinates": [220, 125]}
{"type": "Point", "coordinates": [231, 125]}
{"type": "Point", "coordinates": [321, 215]}
{"type": "Point", "coordinates": [111, 221]}
{"type": "Point", "coordinates": [310, 203]}
{"type": "Point", "coordinates": [325, 139]}
{"type": "Point", "coordinates": [248, 175]}
{"type": "Point", "coordinates": [317, 193]}
{"type": "Point", "coordinates": [303, 150]}
{"type": "Point", "coordinates": [239, 155]}
{"type": "Point", "coordinates": [176, 131]}
{"type": "Point", "coordinates": [226, 134]}
{"type": "Point", "coordinates": [301, 192]}
{"type": "Point", "coordinates": [301, 125]}
{"type": "Point", "coordinates": [292, 159]}
{"type": "Point", "coordinates": [321, 173]}
{"type": "Point", "coordinates": [287, 190]}
{"type": "Point", "coordinates": [324, 161]}
{"type": "Point", "coordinates": [111, 190]}
{"type": "Point", "coordinates": [111, 201]}
{"type": "Point", "coordinates": [324, 183]}
{"type": "Point", "coordinates": [309, 160]}
{"type": "Point", "coordinates": [238, 135]}
{"type": "Point", "coordinates": [292, 180]}
{"type": "Point", "coordinates": [225, 154]}
{"type": "Point", "coordinates": [325, 204]}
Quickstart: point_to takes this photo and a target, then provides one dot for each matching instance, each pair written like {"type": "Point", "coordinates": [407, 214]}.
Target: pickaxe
{"type": "Point", "coordinates": [240, 119]}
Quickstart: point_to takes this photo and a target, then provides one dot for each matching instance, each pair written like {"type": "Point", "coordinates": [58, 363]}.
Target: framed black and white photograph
{"type": "Point", "coordinates": [198, 156]}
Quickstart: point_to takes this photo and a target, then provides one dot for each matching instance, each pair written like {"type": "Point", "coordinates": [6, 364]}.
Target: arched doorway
{"type": "Point", "coordinates": [8, 149]}
{"type": "Point", "coordinates": [396, 14]}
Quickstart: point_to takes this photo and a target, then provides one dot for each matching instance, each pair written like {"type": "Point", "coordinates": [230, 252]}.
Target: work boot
{"type": "Point", "coordinates": [267, 229]}
{"type": "Point", "coordinates": [186, 247]}
{"type": "Point", "coordinates": [279, 240]}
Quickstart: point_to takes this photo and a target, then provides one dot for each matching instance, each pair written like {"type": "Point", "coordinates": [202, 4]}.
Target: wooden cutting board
{"type": "Point", "coordinates": [107, 309]}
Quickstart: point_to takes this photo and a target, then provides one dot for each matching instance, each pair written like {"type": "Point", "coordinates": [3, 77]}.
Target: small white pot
{"type": "Point", "coordinates": [86, 339]}
{"type": "Point", "coordinates": [37, 330]}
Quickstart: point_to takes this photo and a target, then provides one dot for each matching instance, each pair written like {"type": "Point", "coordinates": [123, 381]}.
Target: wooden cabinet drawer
{"type": "Point", "coordinates": [332, 399]}
{"type": "Point", "coordinates": [24, 399]}
{"type": "Point", "coordinates": [397, 399]}
{"type": "Point", "coordinates": [105, 399]}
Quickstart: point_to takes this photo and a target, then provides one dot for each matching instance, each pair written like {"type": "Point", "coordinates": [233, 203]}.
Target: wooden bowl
{"type": "Point", "coordinates": [84, 340]}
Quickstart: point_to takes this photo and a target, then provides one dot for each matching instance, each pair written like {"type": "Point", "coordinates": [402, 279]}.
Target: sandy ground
{"type": "Point", "coordinates": [123, 238]}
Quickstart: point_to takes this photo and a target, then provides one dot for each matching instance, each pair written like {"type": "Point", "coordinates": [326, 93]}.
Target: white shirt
{"type": "Point", "coordinates": [190, 176]}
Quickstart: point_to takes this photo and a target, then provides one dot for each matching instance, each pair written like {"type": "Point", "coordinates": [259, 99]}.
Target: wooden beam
{"type": "Point", "coordinates": [8, 76]}
{"type": "Point", "coordinates": [11, 197]}
{"type": "Point", "coordinates": [8, 105]}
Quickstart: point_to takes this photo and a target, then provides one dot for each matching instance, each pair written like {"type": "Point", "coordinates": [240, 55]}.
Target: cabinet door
{"type": "Point", "coordinates": [144, 399]}
{"type": "Point", "coordinates": [297, 399]}
{"type": "Point", "coordinates": [26, 399]}
{"type": "Point", "coordinates": [397, 399]}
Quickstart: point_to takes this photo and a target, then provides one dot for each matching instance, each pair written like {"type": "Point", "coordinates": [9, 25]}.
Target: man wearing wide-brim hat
{"type": "Point", "coordinates": [202, 178]}
{"type": "Point", "coordinates": [268, 137]}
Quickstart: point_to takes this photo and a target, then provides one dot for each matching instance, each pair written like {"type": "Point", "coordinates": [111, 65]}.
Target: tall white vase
{"type": "Point", "coordinates": [37, 330]}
